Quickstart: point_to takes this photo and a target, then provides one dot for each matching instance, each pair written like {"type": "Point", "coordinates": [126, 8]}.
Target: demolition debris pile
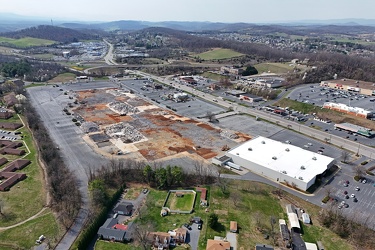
{"type": "Point", "coordinates": [89, 127]}
{"type": "Point", "coordinates": [126, 132]}
{"type": "Point", "coordinates": [122, 108]}
{"type": "Point", "coordinates": [229, 134]}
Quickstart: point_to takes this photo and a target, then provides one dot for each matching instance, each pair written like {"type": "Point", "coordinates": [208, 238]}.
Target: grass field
{"type": "Point", "coordinates": [25, 42]}
{"type": "Point", "coordinates": [217, 54]}
{"type": "Point", "coordinates": [27, 197]}
{"type": "Point", "coordinates": [24, 236]}
{"type": "Point", "coordinates": [64, 77]}
{"type": "Point", "coordinates": [212, 76]}
{"type": "Point", "coordinates": [276, 68]}
{"type": "Point", "coordinates": [184, 203]}
{"type": "Point", "coordinates": [43, 56]}
{"type": "Point", "coordinates": [106, 245]}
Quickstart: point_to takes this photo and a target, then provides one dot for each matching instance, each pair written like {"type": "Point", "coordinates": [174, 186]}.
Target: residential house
{"type": "Point", "coordinates": [10, 100]}
{"type": "Point", "coordinates": [5, 114]}
{"type": "Point", "coordinates": [113, 231]}
{"type": "Point", "coordinates": [8, 174]}
{"type": "Point", "coordinates": [160, 240]}
{"type": "Point", "coordinates": [124, 208]}
{"type": "Point", "coordinates": [12, 126]}
{"type": "Point", "coordinates": [217, 245]}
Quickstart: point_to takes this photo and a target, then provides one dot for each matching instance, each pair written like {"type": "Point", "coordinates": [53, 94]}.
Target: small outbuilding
{"type": "Point", "coordinates": [233, 226]}
{"type": "Point", "coordinates": [306, 218]}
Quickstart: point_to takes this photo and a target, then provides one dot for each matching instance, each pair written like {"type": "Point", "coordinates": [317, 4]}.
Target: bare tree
{"type": "Point", "coordinates": [344, 156]}
{"type": "Point", "coordinates": [141, 234]}
{"type": "Point", "coordinates": [211, 116]}
{"type": "Point", "coordinates": [328, 190]}
{"type": "Point", "coordinates": [359, 170]}
{"type": "Point", "coordinates": [236, 198]}
{"type": "Point", "coordinates": [2, 208]}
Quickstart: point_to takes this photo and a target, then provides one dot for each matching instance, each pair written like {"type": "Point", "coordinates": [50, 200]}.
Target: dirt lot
{"type": "Point", "coordinates": [167, 133]}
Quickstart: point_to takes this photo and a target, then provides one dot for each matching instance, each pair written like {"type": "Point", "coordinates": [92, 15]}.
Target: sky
{"type": "Point", "coordinates": [229, 11]}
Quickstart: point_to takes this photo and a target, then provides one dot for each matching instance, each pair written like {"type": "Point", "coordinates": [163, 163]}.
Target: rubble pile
{"type": "Point", "coordinates": [89, 127]}
{"type": "Point", "coordinates": [122, 108]}
{"type": "Point", "coordinates": [229, 134]}
{"type": "Point", "coordinates": [117, 92]}
{"type": "Point", "coordinates": [126, 132]}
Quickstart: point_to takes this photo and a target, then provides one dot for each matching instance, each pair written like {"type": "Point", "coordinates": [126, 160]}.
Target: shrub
{"type": "Point", "coordinates": [357, 178]}
{"type": "Point", "coordinates": [325, 199]}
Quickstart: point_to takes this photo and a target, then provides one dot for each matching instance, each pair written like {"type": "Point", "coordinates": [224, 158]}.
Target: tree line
{"type": "Point", "coordinates": [61, 183]}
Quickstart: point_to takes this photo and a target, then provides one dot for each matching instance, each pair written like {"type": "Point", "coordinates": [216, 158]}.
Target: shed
{"type": "Point", "coordinates": [311, 246]}
{"type": "Point", "coordinates": [293, 220]}
{"type": "Point", "coordinates": [306, 218]}
{"type": "Point", "coordinates": [233, 226]}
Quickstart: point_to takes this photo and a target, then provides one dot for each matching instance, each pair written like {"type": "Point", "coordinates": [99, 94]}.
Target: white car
{"type": "Point", "coordinates": [288, 142]}
{"type": "Point", "coordinates": [352, 195]}
{"type": "Point", "coordinates": [364, 181]}
{"type": "Point", "coordinates": [357, 189]}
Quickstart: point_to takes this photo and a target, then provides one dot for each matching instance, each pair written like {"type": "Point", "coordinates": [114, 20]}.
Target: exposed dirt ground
{"type": "Point", "coordinates": [167, 133]}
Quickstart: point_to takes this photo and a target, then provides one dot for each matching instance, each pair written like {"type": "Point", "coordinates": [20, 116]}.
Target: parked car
{"type": "Point", "coordinates": [200, 226]}
{"type": "Point", "coordinates": [357, 188]}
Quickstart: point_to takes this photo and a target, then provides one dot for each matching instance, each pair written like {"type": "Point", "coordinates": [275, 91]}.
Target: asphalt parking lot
{"type": "Point", "coordinates": [314, 94]}
{"type": "Point", "coordinates": [248, 125]}
{"type": "Point", "coordinates": [364, 208]}
{"type": "Point", "coordinates": [195, 107]}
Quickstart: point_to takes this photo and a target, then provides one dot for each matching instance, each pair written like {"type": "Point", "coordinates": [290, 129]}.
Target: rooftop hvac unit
{"type": "Point", "coordinates": [303, 167]}
{"type": "Point", "coordinates": [287, 149]}
{"type": "Point", "coordinates": [263, 142]}
{"type": "Point", "coordinates": [275, 158]}
{"type": "Point", "coordinates": [250, 149]}
{"type": "Point", "coordinates": [314, 158]}
{"type": "Point", "coordinates": [284, 172]}
{"type": "Point", "coordinates": [237, 153]}
{"type": "Point", "coordinates": [300, 178]}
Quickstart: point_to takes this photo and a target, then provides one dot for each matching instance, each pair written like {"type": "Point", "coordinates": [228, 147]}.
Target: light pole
{"type": "Point", "coordinates": [359, 144]}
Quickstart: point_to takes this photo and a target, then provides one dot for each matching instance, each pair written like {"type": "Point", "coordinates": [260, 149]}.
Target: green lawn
{"type": "Point", "coordinates": [24, 236]}
{"type": "Point", "coordinates": [27, 197]}
{"type": "Point", "coordinates": [313, 234]}
{"type": "Point", "coordinates": [64, 77]}
{"type": "Point", "coordinates": [217, 54]}
{"type": "Point", "coordinates": [212, 76]}
{"type": "Point", "coordinates": [105, 245]}
{"type": "Point", "coordinates": [43, 56]}
{"type": "Point", "coordinates": [273, 67]}
{"type": "Point", "coordinates": [184, 203]}
{"type": "Point", "coordinates": [25, 42]}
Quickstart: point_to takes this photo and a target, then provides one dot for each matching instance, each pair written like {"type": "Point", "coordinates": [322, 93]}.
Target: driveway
{"type": "Point", "coordinates": [193, 236]}
{"type": "Point", "coordinates": [232, 238]}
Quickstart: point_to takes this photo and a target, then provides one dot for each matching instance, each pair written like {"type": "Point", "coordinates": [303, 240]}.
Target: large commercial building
{"type": "Point", "coordinates": [279, 161]}
{"type": "Point", "coordinates": [361, 87]}
{"type": "Point", "coordinates": [343, 108]}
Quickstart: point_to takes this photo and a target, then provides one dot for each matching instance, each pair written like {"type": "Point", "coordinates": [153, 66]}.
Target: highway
{"type": "Point", "coordinates": [109, 56]}
{"type": "Point", "coordinates": [340, 142]}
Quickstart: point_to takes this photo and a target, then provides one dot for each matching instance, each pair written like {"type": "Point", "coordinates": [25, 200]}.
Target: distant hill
{"type": "Point", "coordinates": [53, 33]}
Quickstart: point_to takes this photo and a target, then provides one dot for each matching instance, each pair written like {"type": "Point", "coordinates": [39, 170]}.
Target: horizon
{"type": "Point", "coordinates": [238, 11]}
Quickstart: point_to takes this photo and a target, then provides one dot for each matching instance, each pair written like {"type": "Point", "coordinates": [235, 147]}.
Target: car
{"type": "Point", "coordinates": [346, 184]}
{"type": "Point", "coordinates": [288, 142]}
{"type": "Point", "coordinates": [352, 195]}
{"type": "Point", "coordinates": [342, 202]}
{"type": "Point", "coordinates": [145, 190]}
{"type": "Point", "coordinates": [187, 226]}
{"type": "Point", "coordinates": [340, 206]}
{"type": "Point", "coordinates": [345, 192]}
{"type": "Point", "coordinates": [357, 188]}
{"type": "Point", "coordinates": [200, 226]}
{"type": "Point", "coordinates": [355, 200]}
{"type": "Point", "coordinates": [346, 196]}
{"type": "Point", "coordinates": [364, 181]}
{"type": "Point", "coordinates": [310, 144]}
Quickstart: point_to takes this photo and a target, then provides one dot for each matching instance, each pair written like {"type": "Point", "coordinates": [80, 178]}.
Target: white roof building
{"type": "Point", "coordinates": [280, 161]}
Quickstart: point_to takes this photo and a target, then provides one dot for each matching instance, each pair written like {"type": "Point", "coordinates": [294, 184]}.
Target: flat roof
{"type": "Point", "coordinates": [353, 83]}
{"type": "Point", "coordinates": [282, 157]}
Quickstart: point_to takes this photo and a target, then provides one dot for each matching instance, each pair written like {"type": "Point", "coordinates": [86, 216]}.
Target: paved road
{"type": "Point", "coordinates": [109, 56]}
{"type": "Point", "coordinates": [193, 236]}
{"type": "Point", "coordinates": [78, 156]}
